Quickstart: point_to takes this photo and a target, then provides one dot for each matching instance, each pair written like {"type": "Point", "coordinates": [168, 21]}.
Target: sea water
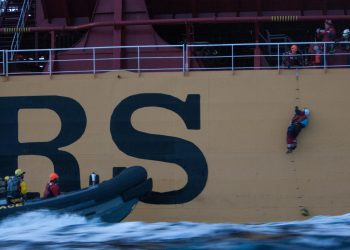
{"type": "Point", "coordinates": [47, 230]}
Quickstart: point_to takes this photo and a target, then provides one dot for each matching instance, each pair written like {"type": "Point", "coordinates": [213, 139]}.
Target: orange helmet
{"type": "Point", "coordinates": [53, 176]}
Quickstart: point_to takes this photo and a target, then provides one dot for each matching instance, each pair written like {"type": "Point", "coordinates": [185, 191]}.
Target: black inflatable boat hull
{"type": "Point", "coordinates": [111, 200]}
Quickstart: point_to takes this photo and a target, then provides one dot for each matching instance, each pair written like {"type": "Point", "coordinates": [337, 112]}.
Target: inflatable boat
{"type": "Point", "coordinates": [111, 201]}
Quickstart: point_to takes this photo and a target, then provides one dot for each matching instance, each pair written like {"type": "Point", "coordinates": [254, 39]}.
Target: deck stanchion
{"type": "Point", "coordinates": [50, 63]}
{"type": "Point", "coordinates": [6, 63]}
{"type": "Point", "coordinates": [3, 63]}
{"type": "Point", "coordinates": [94, 60]}
{"type": "Point", "coordinates": [186, 57]}
{"type": "Point", "coordinates": [278, 58]}
{"type": "Point", "coordinates": [324, 57]}
{"type": "Point", "coordinates": [183, 59]}
{"type": "Point", "coordinates": [232, 59]}
{"type": "Point", "coordinates": [138, 60]}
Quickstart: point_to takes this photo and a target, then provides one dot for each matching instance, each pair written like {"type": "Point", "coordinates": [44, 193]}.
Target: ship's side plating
{"type": "Point", "coordinates": [213, 142]}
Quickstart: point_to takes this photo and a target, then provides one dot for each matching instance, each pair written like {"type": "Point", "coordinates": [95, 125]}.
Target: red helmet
{"type": "Point", "coordinates": [53, 176]}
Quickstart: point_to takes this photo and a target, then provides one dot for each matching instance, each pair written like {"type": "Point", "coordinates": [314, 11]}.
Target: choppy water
{"type": "Point", "coordinates": [46, 230]}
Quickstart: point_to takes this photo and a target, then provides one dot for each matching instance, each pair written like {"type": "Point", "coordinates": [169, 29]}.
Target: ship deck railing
{"type": "Point", "coordinates": [179, 58]}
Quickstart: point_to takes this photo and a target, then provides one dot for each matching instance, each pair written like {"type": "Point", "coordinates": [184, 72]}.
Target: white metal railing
{"type": "Point", "coordinates": [2, 63]}
{"type": "Point", "coordinates": [172, 58]}
{"type": "Point", "coordinates": [20, 24]}
{"type": "Point", "coordinates": [273, 60]}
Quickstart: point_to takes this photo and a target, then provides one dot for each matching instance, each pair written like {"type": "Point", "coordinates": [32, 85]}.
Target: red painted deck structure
{"type": "Point", "coordinates": [159, 22]}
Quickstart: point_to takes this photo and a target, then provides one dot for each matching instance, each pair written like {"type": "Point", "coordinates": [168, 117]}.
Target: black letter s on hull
{"type": "Point", "coordinates": [163, 148]}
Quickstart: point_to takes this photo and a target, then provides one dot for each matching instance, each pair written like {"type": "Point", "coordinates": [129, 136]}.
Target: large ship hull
{"type": "Point", "coordinates": [213, 142]}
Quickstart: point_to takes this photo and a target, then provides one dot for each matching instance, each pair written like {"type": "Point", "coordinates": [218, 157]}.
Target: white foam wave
{"type": "Point", "coordinates": [45, 227]}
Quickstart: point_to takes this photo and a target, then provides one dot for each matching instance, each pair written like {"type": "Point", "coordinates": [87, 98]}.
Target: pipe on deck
{"type": "Point", "coordinates": [182, 21]}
